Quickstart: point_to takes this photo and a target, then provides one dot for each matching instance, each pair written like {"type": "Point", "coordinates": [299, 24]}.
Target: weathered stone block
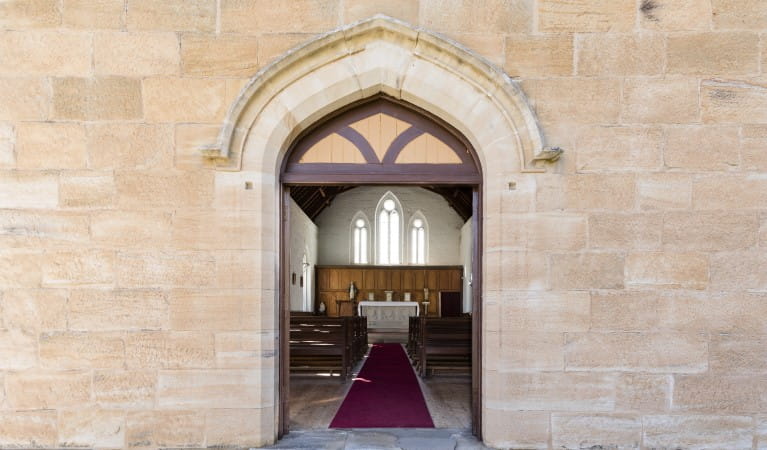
{"type": "Point", "coordinates": [79, 268]}
{"type": "Point", "coordinates": [87, 189]}
{"type": "Point", "coordinates": [273, 45]}
{"type": "Point", "coordinates": [745, 270]}
{"type": "Point", "coordinates": [259, 16]}
{"type": "Point", "coordinates": [29, 190]}
{"type": "Point", "coordinates": [45, 53]}
{"type": "Point", "coordinates": [184, 99]}
{"type": "Point", "coordinates": [753, 151]}
{"type": "Point", "coordinates": [710, 230]}
{"type": "Point", "coordinates": [34, 310]}
{"type": "Point", "coordinates": [730, 192]}
{"type": "Point", "coordinates": [192, 229]}
{"type": "Point", "coordinates": [494, 16]}
{"type": "Point", "coordinates": [637, 352]}
{"type": "Point", "coordinates": [601, 54]}
{"type": "Point", "coordinates": [172, 15]}
{"type": "Point", "coordinates": [51, 146]}
{"type": "Point", "coordinates": [737, 354]}
{"type": "Point", "coordinates": [92, 427]}
{"type": "Point", "coordinates": [18, 351]}
{"type": "Point", "coordinates": [678, 15]}
{"type": "Point", "coordinates": [516, 429]}
{"type": "Point", "coordinates": [586, 15]}
{"type": "Point", "coordinates": [586, 270]}
{"type": "Point", "coordinates": [230, 388]}
{"type": "Point", "coordinates": [600, 191]}
{"type": "Point", "coordinates": [82, 350]}
{"type": "Point", "coordinates": [244, 349]}
{"type": "Point", "coordinates": [91, 14]}
{"type": "Point", "coordinates": [7, 145]}
{"type": "Point", "coordinates": [702, 148]}
{"type": "Point", "coordinates": [406, 10]}
{"type": "Point", "coordinates": [165, 269]}
{"type": "Point", "coordinates": [524, 351]}
{"type": "Point", "coordinates": [206, 312]}
{"type": "Point", "coordinates": [48, 390]}
{"type": "Point", "coordinates": [733, 101]}
{"type": "Point", "coordinates": [550, 391]}
{"type": "Point", "coordinates": [534, 56]}
{"type": "Point", "coordinates": [103, 310]}
{"type": "Point", "coordinates": [625, 231]}
{"type": "Point", "coordinates": [719, 393]}
{"type": "Point", "coordinates": [577, 100]}
{"type": "Point", "coordinates": [170, 350]}
{"type": "Point", "coordinates": [249, 427]}
{"type": "Point", "coordinates": [721, 53]}
{"type": "Point", "coordinates": [142, 189]}
{"type": "Point", "coordinates": [189, 140]}
{"type": "Point", "coordinates": [739, 14]}
{"type": "Point", "coordinates": [136, 54]}
{"type": "Point", "coordinates": [222, 56]}
{"type": "Point", "coordinates": [25, 98]}
{"type": "Point", "coordinates": [245, 269]}
{"type": "Point", "coordinates": [165, 429]}
{"type": "Point", "coordinates": [130, 146]}
{"type": "Point", "coordinates": [596, 430]}
{"type": "Point", "coordinates": [546, 311]}
{"type": "Point", "coordinates": [672, 100]}
{"type": "Point", "coordinates": [667, 270]}
{"type": "Point", "coordinates": [28, 429]}
{"type": "Point", "coordinates": [625, 311]}
{"type": "Point", "coordinates": [664, 191]}
{"type": "Point", "coordinates": [544, 231]}
{"type": "Point", "coordinates": [20, 14]}
{"type": "Point", "coordinates": [643, 392]}
{"type": "Point", "coordinates": [600, 148]}
{"type": "Point", "coordinates": [524, 270]}
{"type": "Point", "coordinates": [21, 268]}
{"type": "Point", "coordinates": [124, 389]}
{"type": "Point", "coordinates": [97, 98]}
{"type": "Point", "coordinates": [134, 229]}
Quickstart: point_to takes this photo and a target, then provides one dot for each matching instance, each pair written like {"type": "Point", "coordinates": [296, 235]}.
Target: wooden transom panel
{"type": "Point", "coordinates": [377, 139]}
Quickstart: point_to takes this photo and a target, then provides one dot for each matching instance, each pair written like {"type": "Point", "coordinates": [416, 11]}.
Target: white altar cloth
{"type": "Point", "coordinates": [388, 314]}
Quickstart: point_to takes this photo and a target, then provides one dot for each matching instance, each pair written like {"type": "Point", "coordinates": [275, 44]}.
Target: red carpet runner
{"type": "Point", "coordinates": [385, 394]}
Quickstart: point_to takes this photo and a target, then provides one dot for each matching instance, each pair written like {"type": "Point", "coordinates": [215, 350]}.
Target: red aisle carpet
{"type": "Point", "coordinates": [385, 394]}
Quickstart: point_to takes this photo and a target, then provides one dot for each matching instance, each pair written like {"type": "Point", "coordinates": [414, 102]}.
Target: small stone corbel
{"type": "Point", "coordinates": [550, 154]}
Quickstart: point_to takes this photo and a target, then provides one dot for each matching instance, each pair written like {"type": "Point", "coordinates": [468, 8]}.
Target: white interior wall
{"type": "Point", "coordinates": [444, 224]}
{"type": "Point", "coordinates": [303, 239]}
{"type": "Point", "coordinates": [467, 250]}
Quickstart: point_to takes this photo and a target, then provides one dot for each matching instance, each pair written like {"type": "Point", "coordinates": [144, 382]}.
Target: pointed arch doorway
{"type": "Point", "coordinates": [381, 141]}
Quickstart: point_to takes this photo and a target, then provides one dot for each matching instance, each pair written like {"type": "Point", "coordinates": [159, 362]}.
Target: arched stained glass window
{"type": "Point", "coordinates": [388, 230]}
{"type": "Point", "coordinates": [360, 239]}
{"type": "Point", "coordinates": [418, 239]}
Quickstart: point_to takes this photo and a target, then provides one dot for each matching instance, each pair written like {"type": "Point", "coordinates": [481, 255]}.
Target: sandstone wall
{"type": "Point", "coordinates": [625, 288]}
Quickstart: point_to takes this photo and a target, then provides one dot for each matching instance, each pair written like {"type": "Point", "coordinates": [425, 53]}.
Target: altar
{"type": "Point", "coordinates": [390, 315]}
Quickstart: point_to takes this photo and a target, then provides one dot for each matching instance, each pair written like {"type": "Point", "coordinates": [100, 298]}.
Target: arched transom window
{"type": "Point", "coordinates": [388, 226]}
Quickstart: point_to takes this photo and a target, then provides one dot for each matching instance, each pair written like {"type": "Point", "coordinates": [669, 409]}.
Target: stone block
{"type": "Point", "coordinates": [667, 270]}
{"type": "Point", "coordinates": [170, 350]}
{"type": "Point", "coordinates": [224, 56]}
{"type": "Point", "coordinates": [25, 98]}
{"type": "Point", "coordinates": [576, 100]}
{"type": "Point", "coordinates": [538, 231]}
{"type": "Point", "coordinates": [25, 229]}
{"type": "Point", "coordinates": [130, 146]}
{"type": "Point", "coordinates": [586, 15]}
{"type": "Point", "coordinates": [637, 352]}
{"type": "Point", "coordinates": [603, 54]}
{"type": "Point", "coordinates": [229, 388]}
{"type": "Point", "coordinates": [524, 270]}
{"type": "Point", "coordinates": [713, 53]}
{"type": "Point", "coordinates": [720, 393]}
{"type": "Point", "coordinates": [245, 349]}
{"type": "Point", "coordinates": [165, 429]}
{"type": "Point", "coordinates": [733, 101]}
{"type": "Point", "coordinates": [234, 230]}
{"type": "Point", "coordinates": [184, 100]}
{"type": "Point", "coordinates": [710, 230]}
{"type": "Point", "coordinates": [761, 432]}
{"type": "Point", "coordinates": [516, 429]}
{"type": "Point", "coordinates": [643, 392]}
{"type": "Point", "coordinates": [739, 14]}
{"type": "Point", "coordinates": [81, 351]}
{"type": "Point", "coordinates": [87, 190]}
{"type": "Point", "coordinates": [241, 427]}
{"type": "Point", "coordinates": [486, 16]}
{"type": "Point", "coordinates": [602, 148]}
{"type": "Point", "coordinates": [131, 229]}
{"type": "Point", "coordinates": [97, 98]}
{"type": "Point", "coordinates": [735, 354]}
{"type": "Point", "coordinates": [600, 192]}
{"type": "Point", "coordinates": [524, 351]}
{"type": "Point", "coordinates": [625, 231]}
{"type": "Point", "coordinates": [45, 53]}
{"type": "Point", "coordinates": [270, 16]}
{"type": "Point", "coordinates": [29, 190]}
{"type": "Point", "coordinates": [245, 269]}
{"type": "Point", "coordinates": [124, 389]}
{"type": "Point", "coordinates": [273, 45]}
{"type": "Point", "coordinates": [550, 193]}
{"type": "Point", "coordinates": [207, 312]}
{"type": "Point", "coordinates": [34, 310]}
{"type": "Point", "coordinates": [733, 271]}
{"type": "Point", "coordinates": [28, 429]}
{"type": "Point", "coordinates": [539, 56]}
{"type": "Point", "coordinates": [670, 100]}
{"type": "Point", "coordinates": [92, 427]}
{"type": "Point", "coordinates": [625, 311]}
{"type": "Point", "coordinates": [104, 310]}
{"type": "Point", "coordinates": [21, 268]}
{"type": "Point", "coordinates": [91, 14]}
{"type": "Point", "coordinates": [702, 148]}
{"type": "Point", "coordinates": [20, 14]}
{"type": "Point", "coordinates": [48, 390]}
{"type": "Point", "coordinates": [172, 15]}
{"type": "Point", "coordinates": [50, 146]}
{"type": "Point", "coordinates": [546, 311]}
{"type": "Point", "coordinates": [162, 189]}
{"type": "Point", "coordinates": [136, 54]}
{"type": "Point", "coordinates": [679, 15]}
{"type": "Point", "coordinates": [489, 46]}
{"type": "Point", "coordinates": [165, 269]}
{"type": "Point", "coordinates": [406, 10]}
{"type": "Point", "coordinates": [596, 430]}
{"type": "Point", "coordinates": [18, 350]}
{"type": "Point", "coordinates": [753, 153]}
{"type": "Point", "coordinates": [550, 391]}
{"type": "Point", "coordinates": [586, 270]}
{"type": "Point", "coordinates": [730, 192]}
{"type": "Point", "coordinates": [662, 191]}
{"type": "Point", "coordinates": [189, 140]}
{"type": "Point", "coordinates": [79, 268]}
{"type": "Point", "coordinates": [7, 146]}
{"type": "Point", "coordinates": [737, 312]}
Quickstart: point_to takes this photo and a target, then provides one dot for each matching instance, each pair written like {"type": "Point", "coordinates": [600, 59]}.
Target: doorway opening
{"type": "Point", "coordinates": [384, 202]}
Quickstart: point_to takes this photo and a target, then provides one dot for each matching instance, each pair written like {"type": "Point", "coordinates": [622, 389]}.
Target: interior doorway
{"type": "Point", "coordinates": [374, 143]}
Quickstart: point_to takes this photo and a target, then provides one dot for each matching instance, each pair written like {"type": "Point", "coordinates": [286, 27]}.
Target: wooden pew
{"type": "Point", "coordinates": [444, 344]}
{"type": "Point", "coordinates": [331, 344]}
